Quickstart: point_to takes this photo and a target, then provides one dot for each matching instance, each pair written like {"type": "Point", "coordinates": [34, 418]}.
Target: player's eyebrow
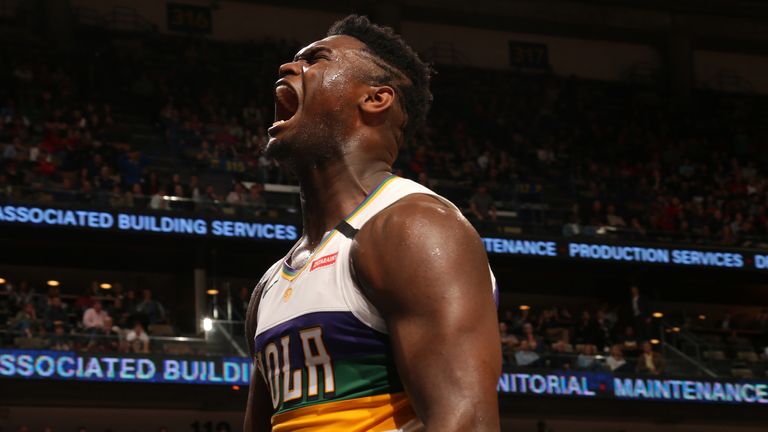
{"type": "Point", "coordinates": [310, 52]}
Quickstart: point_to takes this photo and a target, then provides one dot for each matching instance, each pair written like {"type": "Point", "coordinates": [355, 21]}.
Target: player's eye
{"type": "Point", "coordinates": [315, 58]}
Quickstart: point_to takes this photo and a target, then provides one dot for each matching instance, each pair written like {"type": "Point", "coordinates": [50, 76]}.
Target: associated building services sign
{"type": "Point", "coordinates": [146, 223]}
{"type": "Point", "coordinates": [67, 365]}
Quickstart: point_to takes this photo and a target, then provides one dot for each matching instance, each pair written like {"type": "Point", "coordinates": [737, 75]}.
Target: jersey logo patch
{"type": "Point", "coordinates": [324, 261]}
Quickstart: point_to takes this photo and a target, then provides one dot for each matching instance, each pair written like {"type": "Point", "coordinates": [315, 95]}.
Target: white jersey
{"type": "Point", "coordinates": [322, 347]}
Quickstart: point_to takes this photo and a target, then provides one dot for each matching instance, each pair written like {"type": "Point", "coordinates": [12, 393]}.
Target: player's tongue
{"type": "Point", "coordinates": [286, 104]}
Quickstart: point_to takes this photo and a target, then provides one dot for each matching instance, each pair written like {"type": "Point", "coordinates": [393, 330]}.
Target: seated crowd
{"type": "Point", "coordinates": [556, 339]}
{"type": "Point", "coordinates": [563, 156]}
{"type": "Point", "coordinates": [632, 339]}
{"type": "Point", "coordinates": [95, 321]}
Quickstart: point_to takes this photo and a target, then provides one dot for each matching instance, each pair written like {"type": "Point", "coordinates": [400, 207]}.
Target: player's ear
{"type": "Point", "coordinates": [377, 99]}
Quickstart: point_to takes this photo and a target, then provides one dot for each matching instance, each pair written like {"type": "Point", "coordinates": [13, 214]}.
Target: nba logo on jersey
{"type": "Point", "coordinates": [325, 261]}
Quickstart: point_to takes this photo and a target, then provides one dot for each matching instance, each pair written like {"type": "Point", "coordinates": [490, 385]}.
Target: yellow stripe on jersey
{"type": "Point", "coordinates": [378, 413]}
{"type": "Point", "coordinates": [369, 199]}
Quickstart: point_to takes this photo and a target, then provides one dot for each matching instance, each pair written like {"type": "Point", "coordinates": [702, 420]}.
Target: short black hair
{"type": "Point", "coordinates": [398, 60]}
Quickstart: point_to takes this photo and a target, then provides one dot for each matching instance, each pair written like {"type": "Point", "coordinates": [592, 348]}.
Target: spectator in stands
{"type": "Point", "coordinates": [650, 362]}
{"type": "Point", "coordinates": [181, 201]}
{"type": "Point", "coordinates": [725, 323]}
{"type": "Point", "coordinates": [525, 355]}
{"type": "Point", "coordinates": [614, 219]}
{"type": "Point", "coordinates": [584, 331]}
{"type": "Point", "coordinates": [158, 201]}
{"type": "Point", "coordinates": [25, 321]}
{"type": "Point", "coordinates": [237, 194]}
{"type": "Point", "coordinates": [22, 296]}
{"type": "Point", "coordinates": [94, 317]}
{"type": "Point", "coordinates": [118, 312]}
{"type": "Point", "coordinates": [66, 193]}
{"type": "Point", "coordinates": [629, 342]}
{"type": "Point", "coordinates": [195, 190]}
{"type": "Point", "coordinates": [587, 359]}
{"type": "Point", "coordinates": [137, 339]}
{"type": "Point", "coordinates": [55, 314]}
{"type": "Point", "coordinates": [60, 340]}
{"type": "Point", "coordinates": [257, 204]}
{"type": "Point", "coordinates": [508, 344]}
{"type": "Point", "coordinates": [138, 199]}
{"type": "Point", "coordinates": [223, 427]}
{"type": "Point", "coordinates": [86, 298]}
{"type": "Point", "coordinates": [602, 335]}
{"type": "Point", "coordinates": [118, 199]}
{"type": "Point", "coordinates": [534, 341]}
{"type": "Point", "coordinates": [240, 304]}
{"type": "Point", "coordinates": [130, 301]}
{"type": "Point", "coordinates": [641, 314]}
{"type": "Point", "coordinates": [105, 338]}
{"type": "Point", "coordinates": [482, 207]}
{"type": "Point", "coordinates": [560, 357]}
{"type": "Point", "coordinates": [150, 308]}
{"type": "Point", "coordinates": [86, 194]}
{"type": "Point", "coordinates": [616, 361]}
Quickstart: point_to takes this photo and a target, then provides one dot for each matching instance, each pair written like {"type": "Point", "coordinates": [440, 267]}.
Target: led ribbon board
{"type": "Point", "coordinates": [168, 224]}
{"type": "Point", "coordinates": [147, 223]}
{"type": "Point", "coordinates": [678, 256]}
{"type": "Point", "coordinates": [605, 385]}
{"type": "Point", "coordinates": [72, 366]}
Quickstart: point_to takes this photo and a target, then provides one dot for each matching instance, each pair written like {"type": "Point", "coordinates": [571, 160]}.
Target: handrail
{"type": "Point", "coordinates": [697, 361]}
{"type": "Point", "coordinates": [690, 360]}
{"type": "Point", "coordinates": [220, 328]}
{"type": "Point", "coordinates": [538, 226]}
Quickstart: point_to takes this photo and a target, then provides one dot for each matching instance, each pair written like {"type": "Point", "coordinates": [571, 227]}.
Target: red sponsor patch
{"type": "Point", "coordinates": [323, 261]}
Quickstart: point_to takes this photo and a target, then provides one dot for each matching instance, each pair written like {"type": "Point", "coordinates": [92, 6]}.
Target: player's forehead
{"type": "Point", "coordinates": [338, 44]}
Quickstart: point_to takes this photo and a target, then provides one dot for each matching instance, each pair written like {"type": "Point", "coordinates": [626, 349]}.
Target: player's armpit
{"type": "Point", "coordinates": [258, 411]}
{"type": "Point", "coordinates": [425, 269]}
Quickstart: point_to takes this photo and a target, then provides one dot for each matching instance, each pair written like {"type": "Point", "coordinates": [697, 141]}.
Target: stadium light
{"type": "Point", "coordinates": [676, 329]}
{"type": "Point", "coordinates": [105, 286]}
{"type": "Point", "coordinates": [702, 317]}
{"type": "Point", "coordinates": [655, 341]}
{"type": "Point", "coordinates": [2, 281]}
{"type": "Point", "coordinates": [207, 324]}
{"type": "Point", "coordinates": [658, 315]}
{"type": "Point", "coordinates": [212, 291]}
{"type": "Point", "coordinates": [53, 283]}
{"type": "Point", "coordinates": [525, 307]}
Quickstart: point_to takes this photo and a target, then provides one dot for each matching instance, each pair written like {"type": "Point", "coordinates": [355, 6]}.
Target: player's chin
{"type": "Point", "coordinates": [274, 148]}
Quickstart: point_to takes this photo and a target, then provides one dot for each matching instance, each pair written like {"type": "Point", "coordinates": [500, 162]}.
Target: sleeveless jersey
{"type": "Point", "coordinates": [321, 347]}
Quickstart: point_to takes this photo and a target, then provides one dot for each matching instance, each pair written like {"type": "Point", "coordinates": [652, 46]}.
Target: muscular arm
{"type": "Point", "coordinates": [425, 269]}
{"type": "Point", "coordinates": [258, 411]}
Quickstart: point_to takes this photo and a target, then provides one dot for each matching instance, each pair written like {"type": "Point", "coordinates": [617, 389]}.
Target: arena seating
{"type": "Point", "coordinates": [160, 117]}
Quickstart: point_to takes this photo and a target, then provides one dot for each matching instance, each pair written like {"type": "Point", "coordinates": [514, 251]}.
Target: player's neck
{"type": "Point", "coordinates": [330, 193]}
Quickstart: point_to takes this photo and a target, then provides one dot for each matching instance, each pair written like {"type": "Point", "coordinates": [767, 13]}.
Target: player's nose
{"type": "Point", "coordinates": [291, 68]}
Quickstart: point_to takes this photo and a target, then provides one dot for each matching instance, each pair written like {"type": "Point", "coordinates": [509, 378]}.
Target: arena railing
{"type": "Point", "coordinates": [87, 341]}
{"type": "Point", "coordinates": [282, 202]}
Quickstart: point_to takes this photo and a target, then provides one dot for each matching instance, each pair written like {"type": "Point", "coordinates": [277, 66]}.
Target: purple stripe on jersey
{"type": "Point", "coordinates": [344, 336]}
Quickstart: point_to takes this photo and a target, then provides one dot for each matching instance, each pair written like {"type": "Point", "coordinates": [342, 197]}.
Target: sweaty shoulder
{"type": "Point", "coordinates": [418, 234]}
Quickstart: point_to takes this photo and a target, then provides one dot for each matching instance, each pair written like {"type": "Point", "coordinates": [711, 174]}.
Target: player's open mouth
{"type": "Point", "coordinates": [286, 105]}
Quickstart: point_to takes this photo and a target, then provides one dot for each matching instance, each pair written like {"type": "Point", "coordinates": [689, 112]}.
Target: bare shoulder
{"type": "Point", "coordinates": [417, 234]}
{"type": "Point", "coordinates": [415, 217]}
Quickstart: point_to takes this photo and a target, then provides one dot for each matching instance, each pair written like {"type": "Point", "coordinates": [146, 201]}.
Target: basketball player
{"type": "Point", "coordinates": [382, 316]}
